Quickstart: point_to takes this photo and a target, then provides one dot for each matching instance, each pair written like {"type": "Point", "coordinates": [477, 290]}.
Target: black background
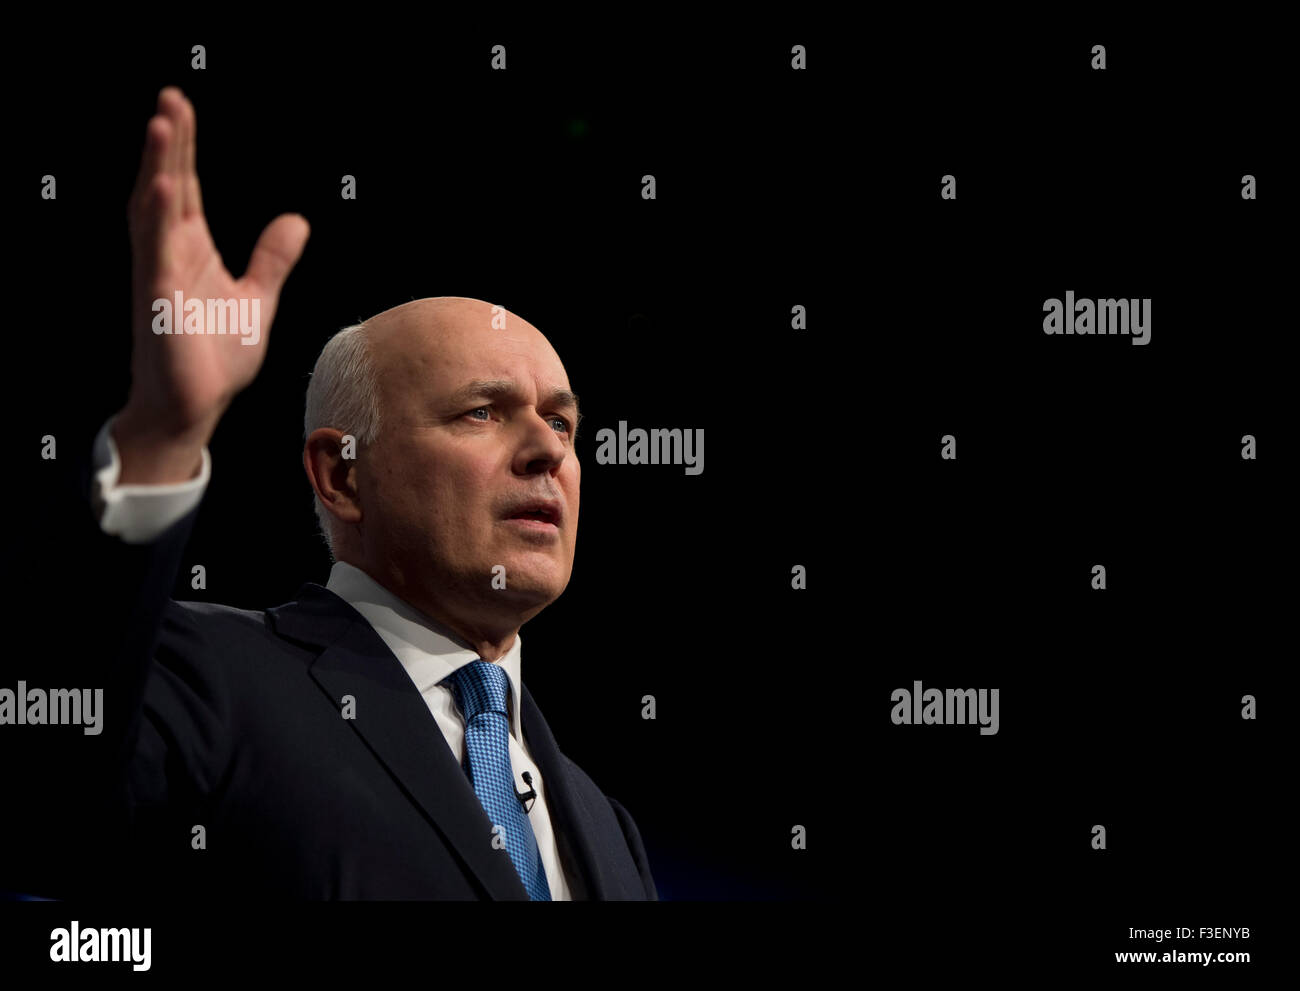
{"type": "Point", "coordinates": [775, 188]}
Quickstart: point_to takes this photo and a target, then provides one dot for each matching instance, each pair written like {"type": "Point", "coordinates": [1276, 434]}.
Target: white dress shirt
{"type": "Point", "coordinates": [138, 514]}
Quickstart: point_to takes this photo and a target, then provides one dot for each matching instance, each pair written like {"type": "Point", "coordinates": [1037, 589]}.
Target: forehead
{"type": "Point", "coordinates": [435, 347]}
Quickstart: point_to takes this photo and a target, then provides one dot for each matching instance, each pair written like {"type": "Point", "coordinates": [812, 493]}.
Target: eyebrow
{"type": "Point", "coordinates": [504, 389]}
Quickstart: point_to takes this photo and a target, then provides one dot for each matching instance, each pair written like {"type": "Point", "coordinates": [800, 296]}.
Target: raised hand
{"type": "Point", "coordinates": [181, 384]}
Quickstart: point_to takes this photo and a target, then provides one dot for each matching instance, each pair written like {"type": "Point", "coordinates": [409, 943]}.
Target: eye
{"type": "Point", "coordinates": [568, 428]}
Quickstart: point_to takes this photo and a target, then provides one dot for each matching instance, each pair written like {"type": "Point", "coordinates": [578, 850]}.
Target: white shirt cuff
{"type": "Point", "coordinates": [138, 514]}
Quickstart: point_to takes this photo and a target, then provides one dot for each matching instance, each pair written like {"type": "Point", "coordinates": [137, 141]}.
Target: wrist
{"type": "Point", "coordinates": [154, 452]}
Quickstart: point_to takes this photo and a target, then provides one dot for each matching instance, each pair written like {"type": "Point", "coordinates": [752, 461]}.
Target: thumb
{"type": "Point", "coordinates": [277, 251]}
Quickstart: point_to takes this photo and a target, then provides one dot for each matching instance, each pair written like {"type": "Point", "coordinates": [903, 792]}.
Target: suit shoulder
{"type": "Point", "coordinates": [212, 629]}
{"type": "Point", "coordinates": [213, 617]}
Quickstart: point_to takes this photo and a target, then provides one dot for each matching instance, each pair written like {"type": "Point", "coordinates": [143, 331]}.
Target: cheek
{"type": "Point", "coordinates": [459, 495]}
{"type": "Point", "coordinates": [421, 492]}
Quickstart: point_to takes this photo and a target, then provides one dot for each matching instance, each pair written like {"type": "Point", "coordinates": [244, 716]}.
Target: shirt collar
{"type": "Point", "coordinates": [428, 655]}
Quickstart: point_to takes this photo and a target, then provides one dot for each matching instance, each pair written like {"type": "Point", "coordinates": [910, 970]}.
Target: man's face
{"type": "Point", "coordinates": [452, 463]}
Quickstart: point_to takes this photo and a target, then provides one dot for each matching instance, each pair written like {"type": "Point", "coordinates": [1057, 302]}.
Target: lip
{"type": "Point", "coordinates": [539, 527]}
{"type": "Point", "coordinates": [551, 507]}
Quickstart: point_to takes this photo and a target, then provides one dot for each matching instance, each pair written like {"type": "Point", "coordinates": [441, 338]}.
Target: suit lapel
{"type": "Point", "coordinates": [569, 808]}
{"type": "Point", "coordinates": [395, 723]}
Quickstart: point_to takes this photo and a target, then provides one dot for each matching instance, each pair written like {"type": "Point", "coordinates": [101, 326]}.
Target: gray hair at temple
{"type": "Point", "coordinates": [343, 393]}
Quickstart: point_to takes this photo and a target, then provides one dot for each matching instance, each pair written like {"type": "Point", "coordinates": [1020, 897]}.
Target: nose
{"type": "Point", "coordinates": [543, 448]}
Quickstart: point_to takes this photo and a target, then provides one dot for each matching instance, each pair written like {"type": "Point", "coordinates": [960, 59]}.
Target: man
{"type": "Point", "coordinates": [371, 738]}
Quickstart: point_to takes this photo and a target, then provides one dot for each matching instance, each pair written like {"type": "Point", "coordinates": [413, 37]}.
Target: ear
{"type": "Point", "coordinates": [329, 458]}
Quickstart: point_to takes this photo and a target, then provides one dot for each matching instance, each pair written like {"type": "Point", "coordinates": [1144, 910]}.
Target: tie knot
{"type": "Point", "coordinates": [479, 686]}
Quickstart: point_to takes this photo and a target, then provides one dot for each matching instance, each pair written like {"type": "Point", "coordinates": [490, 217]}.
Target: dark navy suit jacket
{"type": "Point", "coordinates": [232, 720]}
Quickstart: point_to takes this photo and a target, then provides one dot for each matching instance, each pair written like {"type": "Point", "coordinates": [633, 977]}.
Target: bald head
{"type": "Point", "coordinates": [477, 419]}
{"type": "Point", "coordinates": [445, 337]}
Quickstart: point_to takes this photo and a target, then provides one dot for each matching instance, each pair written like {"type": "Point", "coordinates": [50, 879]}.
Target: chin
{"type": "Point", "coordinates": [541, 595]}
{"type": "Point", "coordinates": [528, 588]}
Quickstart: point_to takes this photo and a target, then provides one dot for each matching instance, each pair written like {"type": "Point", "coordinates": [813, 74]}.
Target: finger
{"type": "Point", "coordinates": [149, 237]}
{"type": "Point", "coordinates": [191, 201]}
{"type": "Point", "coordinates": [156, 135]}
{"type": "Point", "coordinates": [277, 251]}
{"type": "Point", "coordinates": [172, 104]}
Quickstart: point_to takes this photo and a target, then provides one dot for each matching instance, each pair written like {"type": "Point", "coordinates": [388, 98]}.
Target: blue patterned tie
{"type": "Point", "coordinates": [480, 690]}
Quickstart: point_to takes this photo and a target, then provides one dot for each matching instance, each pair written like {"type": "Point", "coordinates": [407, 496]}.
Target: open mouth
{"type": "Point", "coordinates": [539, 511]}
{"type": "Point", "coordinates": [534, 522]}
